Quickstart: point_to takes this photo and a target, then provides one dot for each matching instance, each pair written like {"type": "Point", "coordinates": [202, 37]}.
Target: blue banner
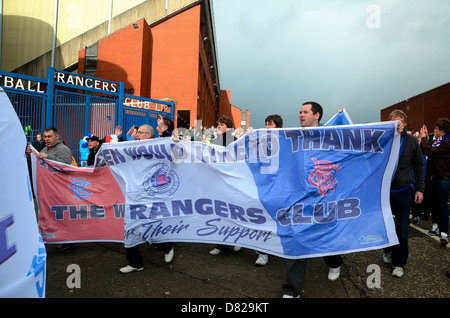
{"type": "Point", "coordinates": [289, 192]}
{"type": "Point", "coordinates": [340, 118]}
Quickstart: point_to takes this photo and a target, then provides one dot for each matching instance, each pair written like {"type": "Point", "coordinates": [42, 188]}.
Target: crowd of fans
{"type": "Point", "coordinates": [421, 183]}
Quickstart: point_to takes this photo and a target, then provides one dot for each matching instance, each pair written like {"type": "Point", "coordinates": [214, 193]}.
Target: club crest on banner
{"type": "Point", "coordinates": [161, 182]}
{"type": "Point", "coordinates": [321, 177]}
{"type": "Point", "coordinates": [78, 187]}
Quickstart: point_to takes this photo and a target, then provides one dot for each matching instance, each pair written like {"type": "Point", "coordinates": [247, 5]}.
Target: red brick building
{"type": "Point", "coordinates": [172, 59]}
{"type": "Point", "coordinates": [425, 108]}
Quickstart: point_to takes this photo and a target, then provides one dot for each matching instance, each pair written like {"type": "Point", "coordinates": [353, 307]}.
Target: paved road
{"type": "Point", "coordinates": [195, 274]}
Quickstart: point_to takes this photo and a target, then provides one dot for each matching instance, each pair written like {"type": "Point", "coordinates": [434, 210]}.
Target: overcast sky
{"type": "Point", "coordinates": [354, 54]}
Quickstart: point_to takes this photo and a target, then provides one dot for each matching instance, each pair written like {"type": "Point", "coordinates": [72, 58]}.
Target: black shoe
{"type": "Point", "coordinates": [63, 247]}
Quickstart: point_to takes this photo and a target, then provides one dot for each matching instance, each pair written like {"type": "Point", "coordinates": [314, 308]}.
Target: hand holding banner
{"type": "Point", "coordinates": [77, 204]}
{"type": "Point", "coordinates": [294, 193]}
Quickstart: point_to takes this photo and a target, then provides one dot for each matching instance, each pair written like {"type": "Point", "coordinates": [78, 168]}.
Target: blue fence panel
{"type": "Point", "coordinates": [28, 97]}
{"type": "Point", "coordinates": [69, 116]}
{"type": "Point", "coordinates": [140, 113]}
{"type": "Point", "coordinates": [30, 108]}
{"type": "Point", "coordinates": [102, 116]}
{"type": "Point", "coordinates": [75, 115]}
{"type": "Point", "coordinates": [137, 117]}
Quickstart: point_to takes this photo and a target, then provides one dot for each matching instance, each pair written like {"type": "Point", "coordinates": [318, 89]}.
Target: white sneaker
{"type": "Point", "coordinates": [387, 257]}
{"type": "Point", "coordinates": [169, 256]}
{"type": "Point", "coordinates": [434, 229]}
{"type": "Point", "coordinates": [262, 260]}
{"type": "Point", "coordinates": [215, 251]}
{"type": "Point", "coordinates": [290, 296]}
{"type": "Point", "coordinates": [129, 269]}
{"type": "Point", "coordinates": [237, 248]}
{"type": "Point", "coordinates": [334, 273]}
{"type": "Point", "coordinates": [397, 272]}
{"type": "Point", "coordinates": [443, 238]}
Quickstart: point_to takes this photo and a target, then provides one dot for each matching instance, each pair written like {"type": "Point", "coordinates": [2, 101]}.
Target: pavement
{"type": "Point", "coordinates": [194, 275]}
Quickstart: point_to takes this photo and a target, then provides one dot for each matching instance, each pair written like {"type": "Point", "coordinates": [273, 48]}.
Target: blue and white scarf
{"type": "Point", "coordinates": [437, 141]}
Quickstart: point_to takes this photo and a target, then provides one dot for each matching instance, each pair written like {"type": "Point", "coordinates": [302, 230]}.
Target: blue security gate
{"type": "Point", "coordinates": [76, 114]}
{"type": "Point", "coordinates": [30, 105]}
{"type": "Point", "coordinates": [76, 105]}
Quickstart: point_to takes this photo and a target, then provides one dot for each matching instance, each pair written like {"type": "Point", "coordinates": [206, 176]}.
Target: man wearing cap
{"type": "Point", "coordinates": [94, 144]}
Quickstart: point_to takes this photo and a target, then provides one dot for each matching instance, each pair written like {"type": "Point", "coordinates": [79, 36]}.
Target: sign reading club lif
{"type": "Point", "coordinates": [290, 192]}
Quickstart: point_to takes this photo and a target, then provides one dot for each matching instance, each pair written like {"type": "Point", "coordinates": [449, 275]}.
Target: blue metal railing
{"type": "Point", "coordinates": [77, 105]}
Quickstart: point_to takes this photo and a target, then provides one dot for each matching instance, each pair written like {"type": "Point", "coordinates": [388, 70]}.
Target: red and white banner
{"type": "Point", "coordinates": [290, 193]}
{"type": "Point", "coordinates": [77, 204]}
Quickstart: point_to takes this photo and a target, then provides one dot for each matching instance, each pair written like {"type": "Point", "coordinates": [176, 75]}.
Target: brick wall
{"type": "Point", "coordinates": [170, 60]}
{"type": "Point", "coordinates": [236, 115]}
{"type": "Point", "coordinates": [225, 103]}
{"type": "Point", "coordinates": [175, 60]}
{"type": "Point", "coordinates": [124, 56]}
{"type": "Point", "coordinates": [425, 108]}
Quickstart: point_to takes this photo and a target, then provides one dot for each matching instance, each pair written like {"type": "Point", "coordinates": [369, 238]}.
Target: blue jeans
{"type": "Point", "coordinates": [440, 189]}
{"type": "Point", "coordinates": [400, 206]}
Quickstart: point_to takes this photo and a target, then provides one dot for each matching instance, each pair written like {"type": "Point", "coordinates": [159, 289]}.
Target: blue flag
{"type": "Point", "coordinates": [340, 118]}
{"type": "Point", "coordinates": [294, 192]}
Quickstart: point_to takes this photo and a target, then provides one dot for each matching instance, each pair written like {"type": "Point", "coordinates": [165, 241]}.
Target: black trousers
{"type": "Point", "coordinates": [296, 269]}
{"type": "Point", "coordinates": [134, 256]}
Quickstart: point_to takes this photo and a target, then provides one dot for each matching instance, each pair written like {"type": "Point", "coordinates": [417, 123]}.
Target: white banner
{"type": "Point", "coordinates": [293, 193]}
{"type": "Point", "coordinates": [22, 252]}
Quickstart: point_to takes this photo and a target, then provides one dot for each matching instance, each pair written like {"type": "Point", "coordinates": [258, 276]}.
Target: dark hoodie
{"type": "Point", "coordinates": [224, 139]}
{"type": "Point", "coordinates": [92, 153]}
{"type": "Point", "coordinates": [411, 161]}
{"type": "Point", "coordinates": [438, 156]}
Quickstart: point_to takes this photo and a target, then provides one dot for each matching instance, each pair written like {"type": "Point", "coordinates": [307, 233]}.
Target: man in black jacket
{"type": "Point", "coordinates": [94, 144]}
{"type": "Point", "coordinates": [438, 174]}
{"type": "Point", "coordinates": [225, 128]}
{"type": "Point", "coordinates": [39, 143]}
{"type": "Point", "coordinates": [402, 187]}
{"type": "Point", "coordinates": [164, 127]}
{"type": "Point", "coordinates": [133, 254]}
